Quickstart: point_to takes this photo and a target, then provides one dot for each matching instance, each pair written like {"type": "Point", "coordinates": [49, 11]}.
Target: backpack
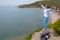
{"type": "Point", "coordinates": [45, 35]}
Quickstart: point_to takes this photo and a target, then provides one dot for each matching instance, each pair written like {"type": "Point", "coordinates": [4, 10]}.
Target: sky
{"type": "Point", "coordinates": [16, 2]}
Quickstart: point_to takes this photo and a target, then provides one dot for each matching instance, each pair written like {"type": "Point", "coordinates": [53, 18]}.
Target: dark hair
{"type": "Point", "coordinates": [48, 7]}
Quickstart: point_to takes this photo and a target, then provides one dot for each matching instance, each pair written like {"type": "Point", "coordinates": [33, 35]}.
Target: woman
{"type": "Point", "coordinates": [45, 33]}
{"type": "Point", "coordinates": [46, 11]}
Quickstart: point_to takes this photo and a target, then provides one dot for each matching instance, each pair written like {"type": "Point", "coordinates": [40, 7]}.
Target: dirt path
{"type": "Point", "coordinates": [54, 18]}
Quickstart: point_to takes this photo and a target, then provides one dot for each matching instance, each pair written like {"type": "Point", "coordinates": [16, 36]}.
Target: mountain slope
{"type": "Point", "coordinates": [36, 4]}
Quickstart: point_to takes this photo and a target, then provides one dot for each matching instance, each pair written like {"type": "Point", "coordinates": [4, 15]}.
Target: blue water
{"type": "Point", "coordinates": [18, 21]}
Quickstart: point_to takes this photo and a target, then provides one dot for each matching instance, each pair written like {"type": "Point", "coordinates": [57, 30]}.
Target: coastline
{"type": "Point", "coordinates": [35, 35]}
{"type": "Point", "coordinates": [37, 32]}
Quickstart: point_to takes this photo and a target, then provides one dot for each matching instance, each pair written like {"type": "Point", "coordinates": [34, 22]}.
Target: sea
{"type": "Point", "coordinates": [16, 23]}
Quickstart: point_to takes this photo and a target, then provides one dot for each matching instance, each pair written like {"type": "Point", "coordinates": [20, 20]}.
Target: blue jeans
{"type": "Point", "coordinates": [46, 23]}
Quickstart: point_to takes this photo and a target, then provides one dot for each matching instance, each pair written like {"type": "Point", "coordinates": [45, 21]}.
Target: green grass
{"type": "Point", "coordinates": [56, 27]}
{"type": "Point", "coordinates": [29, 36]}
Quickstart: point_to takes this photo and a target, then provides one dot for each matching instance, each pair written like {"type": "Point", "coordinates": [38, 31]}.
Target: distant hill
{"type": "Point", "coordinates": [36, 4]}
{"type": "Point", "coordinates": [32, 5]}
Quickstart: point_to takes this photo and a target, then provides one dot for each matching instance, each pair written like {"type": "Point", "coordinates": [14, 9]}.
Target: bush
{"type": "Point", "coordinates": [51, 26]}
{"type": "Point", "coordinates": [57, 27]}
{"type": "Point", "coordinates": [28, 37]}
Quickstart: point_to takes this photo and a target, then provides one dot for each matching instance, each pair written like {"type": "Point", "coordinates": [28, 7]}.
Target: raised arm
{"type": "Point", "coordinates": [43, 6]}
{"type": "Point", "coordinates": [49, 11]}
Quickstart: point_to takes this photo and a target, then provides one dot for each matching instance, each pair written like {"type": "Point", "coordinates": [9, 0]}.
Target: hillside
{"type": "Point", "coordinates": [36, 4]}
{"type": "Point", "coordinates": [30, 5]}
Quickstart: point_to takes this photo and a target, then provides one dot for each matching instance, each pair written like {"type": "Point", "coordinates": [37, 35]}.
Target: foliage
{"type": "Point", "coordinates": [56, 26]}
{"type": "Point", "coordinates": [29, 36]}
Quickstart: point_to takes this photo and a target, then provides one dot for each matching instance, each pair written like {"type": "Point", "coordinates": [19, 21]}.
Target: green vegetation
{"type": "Point", "coordinates": [56, 27]}
{"type": "Point", "coordinates": [32, 5]}
{"type": "Point", "coordinates": [52, 3]}
{"type": "Point", "coordinates": [36, 4]}
{"type": "Point", "coordinates": [29, 36]}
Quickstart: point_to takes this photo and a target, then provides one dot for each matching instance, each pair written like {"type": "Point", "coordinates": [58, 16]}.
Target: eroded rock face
{"type": "Point", "coordinates": [55, 16]}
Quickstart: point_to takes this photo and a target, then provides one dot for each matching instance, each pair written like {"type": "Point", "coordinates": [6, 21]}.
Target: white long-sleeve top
{"type": "Point", "coordinates": [46, 11]}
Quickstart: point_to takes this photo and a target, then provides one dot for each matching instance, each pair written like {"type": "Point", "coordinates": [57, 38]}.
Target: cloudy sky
{"type": "Point", "coordinates": [16, 2]}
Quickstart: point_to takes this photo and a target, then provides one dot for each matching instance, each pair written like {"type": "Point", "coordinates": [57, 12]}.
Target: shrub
{"type": "Point", "coordinates": [57, 27]}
